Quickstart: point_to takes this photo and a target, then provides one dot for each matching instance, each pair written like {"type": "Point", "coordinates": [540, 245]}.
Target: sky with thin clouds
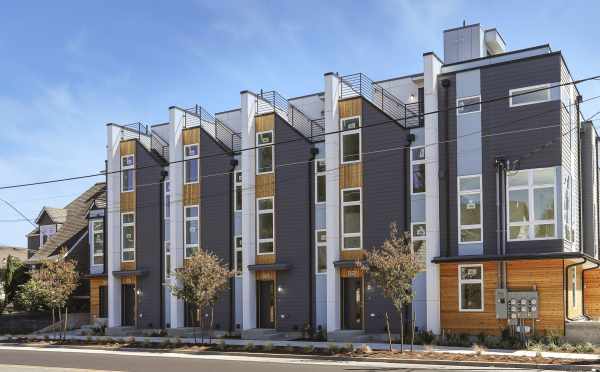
{"type": "Point", "coordinates": [69, 67]}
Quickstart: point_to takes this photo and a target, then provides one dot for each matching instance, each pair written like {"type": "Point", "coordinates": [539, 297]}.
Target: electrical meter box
{"type": "Point", "coordinates": [501, 306]}
{"type": "Point", "coordinates": [522, 305]}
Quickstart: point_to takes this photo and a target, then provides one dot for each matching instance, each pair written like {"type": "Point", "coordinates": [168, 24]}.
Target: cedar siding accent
{"type": "Point", "coordinates": [95, 284]}
{"type": "Point", "coordinates": [128, 199]}
{"type": "Point", "coordinates": [351, 175]}
{"type": "Point", "coordinates": [265, 122]}
{"type": "Point", "coordinates": [591, 283]}
{"type": "Point", "coordinates": [265, 185]}
{"type": "Point", "coordinates": [350, 107]}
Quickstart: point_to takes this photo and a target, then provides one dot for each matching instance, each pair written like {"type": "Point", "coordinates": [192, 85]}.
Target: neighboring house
{"type": "Point", "coordinates": [5, 251]}
{"type": "Point", "coordinates": [71, 229]}
{"type": "Point", "coordinates": [487, 183]}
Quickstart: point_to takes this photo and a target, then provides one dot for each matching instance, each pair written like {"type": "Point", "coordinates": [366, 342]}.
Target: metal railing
{"type": "Point", "coordinates": [272, 102]}
{"type": "Point", "coordinates": [151, 141]}
{"type": "Point", "coordinates": [406, 115]}
{"type": "Point", "coordinates": [198, 116]}
{"type": "Point", "coordinates": [160, 146]}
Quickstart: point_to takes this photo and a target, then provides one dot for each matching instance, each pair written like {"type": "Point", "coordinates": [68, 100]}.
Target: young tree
{"type": "Point", "coordinates": [392, 267]}
{"type": "Point", "coordinates": [200, 283]}
{"type": "Point", "coordinates": [14, 275]}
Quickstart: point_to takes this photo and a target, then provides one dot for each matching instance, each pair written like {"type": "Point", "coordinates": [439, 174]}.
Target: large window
{"type": "Point", "coordinates": [417, 170]}
{"type": "Point", "coordinates": [320, 186]}
{"type": "Point", "coordinates": [128, 237]}
{"type": "Point", "coordinates": [238, 190]}
{"type": "Point", "coordinates": [191, 161]}
{"type": "Point", "coordinates": [167, 227]}
{"type": "Point", "coordinates": [127, 173]}
{"type": "Point", "coordinates": [418, 238]}
{"type": "Point", "coordinates": [469, 209]}
{"type": "Point", "coordinates": [529, 95]}
{"type": "Point", "coordinates": [191, 232]}
{"type": "Point", "coordinates": [531, 204]}
{"type": "Point", "coordinates": [264, 152]}
{"type": "Point", "coordinates": [321, 248]}
{"type": "Point", "coordinates": [237, 241]}
{"type": "Point", "coordinates": [470, 287]}
{"type": "Point", "coordinates": [97, 234]}
{"type": "Point", "coordinates": [468, 105]}
{"type": "Point", "coordinates": [350, 139]}
{"type": "Point", "coordinates": [351, 219]}
{"type": "Point", "coordinates": [265, 225]}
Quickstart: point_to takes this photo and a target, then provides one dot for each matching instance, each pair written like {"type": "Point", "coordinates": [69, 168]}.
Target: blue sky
{"type": "Point", "coordinates": [69, 67]}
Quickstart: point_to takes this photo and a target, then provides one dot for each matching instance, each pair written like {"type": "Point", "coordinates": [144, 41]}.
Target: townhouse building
{"type": "Point", "coordinates": [482, 157]}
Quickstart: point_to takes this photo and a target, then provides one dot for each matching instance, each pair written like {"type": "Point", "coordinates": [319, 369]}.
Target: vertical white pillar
{"type": "Point", "coordinates": [113, 223]}
{"type": "Point", "coordinates": [432, 68]}
{"type": "Point", "coordinates": [176, 123]}
{"type": "Point", "coordinates": [248, 110]}
{"type": "Point", "coordinates": [332, 163]}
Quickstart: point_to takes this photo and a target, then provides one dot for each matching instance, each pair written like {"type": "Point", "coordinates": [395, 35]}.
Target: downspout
{"type": "Point", "coordinates": [311, 257]}
{"type": "Point", "coordinates": [104, 220]}
{"type": "Point", "coordinates": [566, 284]}
{"type": "Point", "coordinates": [583, 288]}
{"type": "Point", "coordinates": [410, 138]}
{"type": "Point", "coordinates": [232, 195]}
{"type": "Point", "coordinates": [500, 223]}
{"type": "Point", "coordinates": [579, 186]}
{"type": "Point", "coordinates": [163, 175]}
{"type": "Point", "coordinates": [446, 85]}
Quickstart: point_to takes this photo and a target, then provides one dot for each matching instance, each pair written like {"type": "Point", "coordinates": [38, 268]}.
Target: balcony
{"type": "Point", "coordinates": [145, 136]}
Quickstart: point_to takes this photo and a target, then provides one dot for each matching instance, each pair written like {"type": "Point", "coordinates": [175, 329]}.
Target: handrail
{"type": "Point", "coordinates": [198, 116]}
{"type": "Point", "coordinates": [146, 137]}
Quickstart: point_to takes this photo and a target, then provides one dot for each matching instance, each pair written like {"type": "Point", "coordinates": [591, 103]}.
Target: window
{"type": "Point", "coordinates": [468, 105]}
{"type": "Point", "coordinates": [191, 163]}
{"type": "Point", "coordinates": [191, 232]}
{"type": "Point", "coordinates": [167, 227]}
{"type": "Point", "coordinates": [321, 246]}
{"type": "Point", "coordinates": [237, 241]}
{"type": "Point", "coordinates": [128, 237]}
{"type": "Point", "coordinates": [469, 209]}
{"type": "Point", "coordinates": [350, 139]}
{"type": "Point", "coordinates": [418, 235]}
{"type": "Point", "coordinates": [264, 152]}
{"type": "Point", "coordinates": [470, 287]}
{"type": "Point", "coordinates": [351, 219]}
{"type": "Point", "coordinates": [127, 173]}
{"type": "Point", "coordinates": [417, 168]}
{"type": "Point", "coordinates": [238, 190]}
{"type": "Point", "coordinates": [265, 226]}
{"type": "Point", "coordinates": [97, 242]}
{"type": "Point", "coordinates": [320, 186]}
{"type": "Point", "coordinates": [531, 200]}
{"type": "Point", "coordinates": [529, 95]}
{"type": "Point", "coordinates": [574, 287]}
{"type": "Point", "coordinates": [567, 209]}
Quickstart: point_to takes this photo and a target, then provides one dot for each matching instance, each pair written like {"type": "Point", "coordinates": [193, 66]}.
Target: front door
{"type": "Point", "coordinates": [128, 305]}
{"type": "Point", "coordinates": [265, 293]}
{"type": "Point", "coordinates": [352, 303]}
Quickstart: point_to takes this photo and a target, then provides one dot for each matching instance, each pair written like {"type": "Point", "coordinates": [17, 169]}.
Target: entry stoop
{"type": "Point", "coordinates": [582, 331]}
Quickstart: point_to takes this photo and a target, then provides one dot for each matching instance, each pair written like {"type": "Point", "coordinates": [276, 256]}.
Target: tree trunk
{"type": "Point", "coordinates": [412, 338]}
{"type": "Point", "coordinates": [66, 322]}
{"type": "Point", "coordinates": [387, 322]}
{"type": "Point", "coordinates": [401, 329]}
{"type": "Point", "coordinates": [212, 320]}
{"type": "Point", "coordinates": [59, 322]}
{"type": "Point", "coordinates": [53, 320]}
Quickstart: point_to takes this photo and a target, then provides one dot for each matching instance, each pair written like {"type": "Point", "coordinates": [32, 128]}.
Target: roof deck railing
{"type": "Point", "coordinates": [146, 137]}
{"type": "Point", "coordinates": [198, 116]}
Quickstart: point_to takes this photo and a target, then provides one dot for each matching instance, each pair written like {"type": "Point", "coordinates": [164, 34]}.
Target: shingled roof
{"type": "Point", "coordinates": [75, 221]}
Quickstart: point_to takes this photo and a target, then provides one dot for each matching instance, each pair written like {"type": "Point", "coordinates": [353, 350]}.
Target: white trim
{"type": "Point", "coordinates": [350, 132]}
{"type": "Point", "coordinates": [167, 223]}
{"type": "Point", "coordinates": [260, 146]}
{"type": "Point", "coordinates": [123, 225]}
{"type": "Point", "coordinates": [470, 281]}
{"type": "Point", "coordinates": [92, 234]}
{"type": "Point", "coordinates": [317, 175]}
{"type": "Point", "coordinates": [517, 91]}
{"type": "Point", "coordinates": [460, 193]}
{"type": "Point", "coordinates": [322, 245]}
{"type": "Point", "coordinates": [185, 221]}
{"type": "Point", "coordinates": [236, 249]}
{"type": "Point", "coordinates": [185, 163]}
{"type": "Point", "coordinates": [258, 213]}
{"type": "Point", "coordinates": [125, 169]}
{"type": "Point", "coordinates": [345, 204]}
{"type": "Point", "coordinates": [458, 106]}
{"type": "Point", "coordinates": [417, 162]}
{"type": "Point", "coordinates": [236, 207]}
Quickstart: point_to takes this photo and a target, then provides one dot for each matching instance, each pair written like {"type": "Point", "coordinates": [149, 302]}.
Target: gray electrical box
{"type": "Point", "coordinates": [514, 305]}
{"type": "Point", "coordinates": [501, 304]}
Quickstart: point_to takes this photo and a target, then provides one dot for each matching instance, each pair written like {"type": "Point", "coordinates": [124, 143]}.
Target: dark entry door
{"type": "Point", "coordinates": [266, 303]}
{"type": "Point", "coordinates": [352, 303]}
{"type": "Point", "coordinates": [128, 305]}
{"type": "Point", "coordinates": [103, 302]}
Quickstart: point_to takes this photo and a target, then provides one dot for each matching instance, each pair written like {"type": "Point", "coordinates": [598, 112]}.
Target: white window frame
{"type": "Point", "coordinates": [125, 169]}
{"type": "Point", "coordinates": [414, 238]}
{"type": "Point", "coordinates": [258, 148]}
{"type": "Point", "coordinates": [470, 192]}
{"type": "Point", "coordinates": [258, 213]}
{"type": "Point", "coordinates": [471, 281]}
{"type": "Point", "coordinates": [123, 225]}
{"type": "Point", "coordinates": [458, 106]}
{"type": "Point", "coordinates": [236, 265]}
{"type": "Point", "coordinates": [344, 133]}
{"type": "Point", "coordinates": [345, 204]}
{"type": "Point", "coordinates": [317, 245]}
{"type": "Point", "coordinates": [417, 162]}
{"type": "Point", "coordinates": [518, 91]}
{"type": "Point", "coordinates": [317, 175]}
{"type": "Point", "coordinates": [237, 184]}
{"type": "Point", "coordinates": [530, 200]}
{"type": "Point", "coordinates": [185, 163]}
{"type": "Point", "coordinates": [185, 221]}
{"type": "Point", "coordinates": [93, 232]}
{"type": "Point", "coordinates": [567, 189]}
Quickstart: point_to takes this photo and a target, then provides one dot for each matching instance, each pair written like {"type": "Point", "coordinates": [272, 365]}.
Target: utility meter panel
{"type": "Point", "coordinates": [522, 305]}
{"type": "Point", "coordinates": [501, 304]}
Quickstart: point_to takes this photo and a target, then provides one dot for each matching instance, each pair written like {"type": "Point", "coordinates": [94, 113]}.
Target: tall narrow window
{"type": "Point", "coordinates": [265, 225]}
{"type": "Point", "coordinates": [237, 241]}
{"type": "Point", "coordinates": [531, 201]}
{"type": "Point", "coordinates": [350, 139]}
{"type": "Point", "coordinates": [191, 163]}
{"type": "Point", "coordinates": [264, 152]}
{"type": "Point", "coordinates": [320, 185]}
{"type": "Point", "coordinates": [167, 227]}
{"type": "Point", "coordinates": [97, 242]}
{"type": "Point", "coordinates": [238, 190]}
{"type": "Point", "coordinates": [470, 287]}
{"type": "Point", "coordinates": [417, 170]}
{"type": "Point", "coordinates": [321, 247]}
{"type": "Point", "coordinates": [128, 237]}
{"type": "Point", "coordinates": [567, 209]}
{"type": "Point", "coordinates": [469, 209]}
{"type": "Point", "coordinates": [192, 230]}
{"type": "Point", "coordinates": [127, 173]}
{"type": "Point", "coordinates": [351, 219]}
{"type": "Point", "coordinates": [418, 235]}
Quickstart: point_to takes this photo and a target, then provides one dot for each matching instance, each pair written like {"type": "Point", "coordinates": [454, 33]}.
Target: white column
{"type": "Point", "coordinates": [332, 163]}
{"type": "Point", "coordinates": [113, 223]}
{"type": "Point", "coordinates": [248, 110]}
{"type": "Point", "coordinates": [176, 122]}
{"type": "Point", "coordinates": [432, 67]}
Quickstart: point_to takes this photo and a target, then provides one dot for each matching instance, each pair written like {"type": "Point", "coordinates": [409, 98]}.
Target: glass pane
{"type": "Point", "coordinates": [98, 242]}
{"type": "Point", "coordinates": [190, 251]}
{"type": "Point", "coordinates": [321, 189]}
{"type": "Point", "coordinates": [238, 198]}
{"type": "Point", "coordinates": [238, 177]}
{"type": "Point", "coordinates": [128, 180]}
{"type": "Point", "coordinates": [191, 150]}
{"type": "Point", "coordinates": [265, 159]}
{"type": "Point", "coordinates": [352, 123]}
{"type": "Point", "coordinates": [191, 170]}
{"type": "Point", "coordinates": [352, 219]}
{"type": "Point", "coordinates": [469, 184]}
{"type": "Point", "coordinates": [321, 236]}
{"type": "Point", "coordinates": [543, 202]}
{"type": "Point", "coordinates": [419, 246]}
{"type": "Point", "coordinates": [351, 146]}
{"type": "Point", "coordinates": [167, 206]}
{"type": "Point", "coordinates": [127, 161]}
{"type": "Point", "coordinates": [191, 212]}
{"type": "Point", "coordinates": [351, 196]}
{"type": "Point", "coordinates": [238, 242]}
{"type": "Point", "coordinates": [518, 179]}
{"type": "Point", "coordinates": [471, 296]}
{"type": "Point", "coordinates": [519, 232]}
{"type": "Point", "coordinates": [239, 263]}
{"type": "Point", "coordinates": [98, 260]}
{"type": "Point", "coordinates": [544, 176]}
{"type": "Point", "coordinates": [265, 204]}
{"type": "Point", "coordinates": [191, 232]}
{"type": "Point", "coordinates": [168, 264]}
{"type": "Point", "coordinates": [470, 272]}
{"type": "Point", "coordinates": [265, 223]}
{"type": "Point", "coordinates": [466, 105]}
{"type": "Point", "coordinates": [167, 230]}
{"type": "Point", "coordinates": [518, 206]}
{"type": "Point", "coordinates": [353, 242]}
{"type": "Point", "coordinates": [537, 94]}
{"type": "Point", "coordinates": [419, 230]}
{"type": "Point", "coordinates": [418, 153]}
{"type": "Point", "coordinates": [320, 166]}
{"type": "Point", "coordinates": [544, 231]}
{"type": "Point", "coordinates": [129, 256]}
{"type": "Point", "coordinates": [418, 178]}
{"type": "Point", "coordinates": [470, 209]}
{"type": "Point", "coordinates": [321, 259]}
{"type": "Point", "coordinates": [265, 247]}
{"type": "Point", "coordinates": [128, 237]}
{"type": "Point", "coordinates": [470, 235]}
{"type": "Point", "coordinates": [128, 218]}
{"type": "Point", "coordinates": [265, 138]}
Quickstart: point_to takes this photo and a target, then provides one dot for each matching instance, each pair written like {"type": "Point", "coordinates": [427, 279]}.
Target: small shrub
{"type": "Point", "coordinates": [479, 349]}
{"type": "Point", "coordinates": [46, 337]}
{"type": "Point", "coordinates": [365, 349]}
{"type": "Point", "coordinates": [130, 340]}
{"type": "Point", "coordinates": [428, 348]}
{"type": "Point", "coordinates": [333, 348]}
{"type": "Point", "coordinates": [249, 346]}
{"type": "Point", "coordinates": [221, 346]}
{"type": "Point", "coordinates": [567, 347]}
{"type": "Point", "coordinates": [166, 343]}
{"type": "Point", "coordinates": [424, 338]}
{"type": "Point", "coordinates": [147, 343]}
{"type": "Point", "coordinates": [88, 338]}
{"type": "Point", "coordinates": [177, 340]}
{"type": "Point", "coordinates": [347, 348]}
{"type": "Point", "coordinates": [588, 348]}
{"type": "Point", "coordinates": [289, 349]}
{"type": "Point", "coordinates": [268, 347]}
{"type": "Point", "coordinates": [553, 347]}
{"type": "Point", "coordinates": [309, 349]}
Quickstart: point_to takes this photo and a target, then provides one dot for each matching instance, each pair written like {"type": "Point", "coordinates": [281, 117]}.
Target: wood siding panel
{"type": "Point", "coordinates": [191, 194]}
{"type": "Point", "coordinates": [191, 136]}
{"type": "Point", "coordinates": [265, 185]}
{"type": "Point", "coordinates": [350, 107]}
{"type": "Point", "coordinates": [128, 266]}
{"type": "Point", "coordinates": [346, 254]}
{"type": "Point", "coordinates": [351, 175]}
{"type": "Point", "coordinates": [265, 259]}
{"type": "Point", "coordinates": [265, 275]}
{"type": "Point", "coordinates": [129, 280]}
{"type": "Point", "coordinates": [264, 122]}
{"type": "Point", "coordinates": [127, 147]}
{"type": "Point", "coordinates": [95, 284]}
{"type": "Point", "coordinates": [591, 282]}
{"type": "Point", "coordinates": [128, 202]}
{"type": "Point", "coordinates": [351, 272]}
